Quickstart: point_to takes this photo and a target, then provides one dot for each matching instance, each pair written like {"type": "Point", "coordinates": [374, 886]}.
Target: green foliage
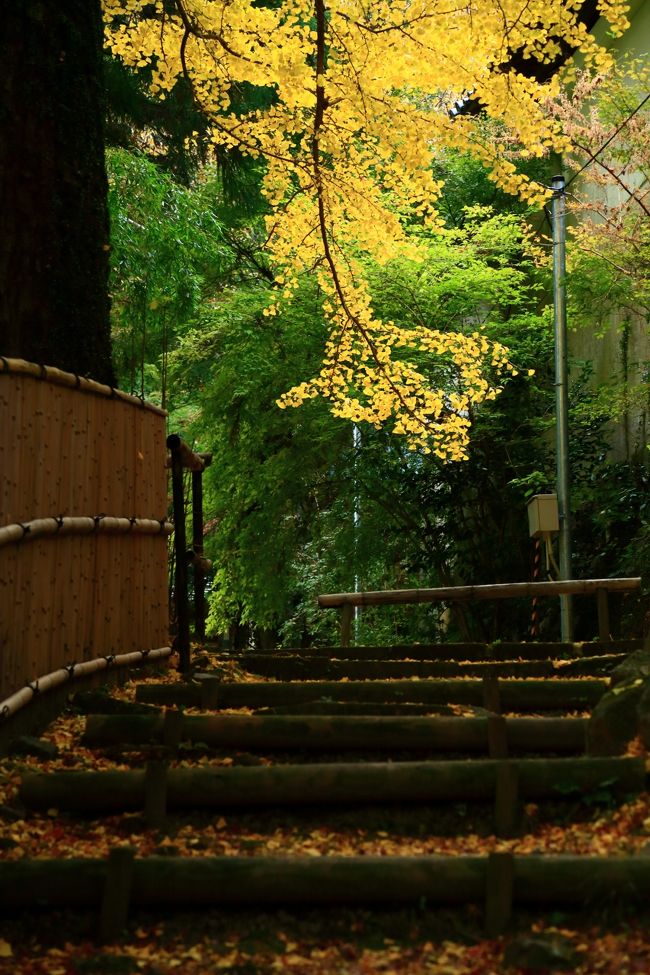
{"type": "Point", "coordinates": [284, 486]}
{"type": "Point", "coordinates": [296, 504]}
{"type": "Point", "coordinates": [168, 255]}
{"type": "Point", "coordinates": [271, 470]}
{"type": "Point", "coordinates": [141, 123]}
{"type": "Point", "coordinates": [467, 184]}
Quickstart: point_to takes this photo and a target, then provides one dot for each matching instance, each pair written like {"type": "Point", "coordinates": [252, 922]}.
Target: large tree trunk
{"type": "Point", "coordinates": [54, 306]}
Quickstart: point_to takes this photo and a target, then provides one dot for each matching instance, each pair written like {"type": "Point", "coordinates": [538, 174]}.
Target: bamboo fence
{"type": "Point", "coordinates": [83, 502]}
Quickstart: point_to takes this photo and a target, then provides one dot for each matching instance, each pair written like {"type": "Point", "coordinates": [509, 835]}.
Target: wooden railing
{"type": "Point", "coordinates": [346, 601]}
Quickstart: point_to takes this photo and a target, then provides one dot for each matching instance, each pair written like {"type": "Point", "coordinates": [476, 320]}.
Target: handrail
{"type": "Point", "coordinates": [497, 590]}
{"type": "Point", "coordinates": [189, 459]}
{"type": "Point", "coordinates": [16, 701]}
{"type": "Point", "coordinates": [81, 525]}
{"type": "Point", "coordinates": [509, 590]}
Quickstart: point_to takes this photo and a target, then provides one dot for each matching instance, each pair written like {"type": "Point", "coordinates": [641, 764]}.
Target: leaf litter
{"type": "Point", "coordinates": [161, 947]}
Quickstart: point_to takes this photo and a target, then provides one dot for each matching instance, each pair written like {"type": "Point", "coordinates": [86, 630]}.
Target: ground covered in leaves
{"type": "Point", "coordinates": [414, 942]}
{"type": "Point", "coordinates": [314, 943]}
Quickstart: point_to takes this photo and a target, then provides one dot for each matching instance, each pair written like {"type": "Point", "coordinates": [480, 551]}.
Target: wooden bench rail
{"type": "Point", "coordinates": [346, 601]}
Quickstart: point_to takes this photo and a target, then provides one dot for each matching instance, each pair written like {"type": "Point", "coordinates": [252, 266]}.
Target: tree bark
{"type": "Point", "coordinates": [54, 305]}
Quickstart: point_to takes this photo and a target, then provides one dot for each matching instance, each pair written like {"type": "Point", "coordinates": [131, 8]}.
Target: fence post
{"type": "Point", "coordinates": [499, 888]}
{"type": "Point", "coordinates": [180, 551]}
{"type": "Point", "coordinates": [117, 893]}
{"type": "Point", "coordinates": [197, 545]}
{"type": "Point", "coordinates": [604, 632]}
{"type": "Point", "coordinates": [347, 614]}
{"type": "Point", "coordinates": [184, 458]}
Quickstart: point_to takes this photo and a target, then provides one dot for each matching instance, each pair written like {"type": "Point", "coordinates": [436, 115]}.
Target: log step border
{"type": "Point", "coordinates": [489, 734]}
{"type": "Point", "coordinates": [160, 788]}
{"type": "Point", "coordinates": [211, 693]}
{"type": "Point", "coordinates": [500, 881]}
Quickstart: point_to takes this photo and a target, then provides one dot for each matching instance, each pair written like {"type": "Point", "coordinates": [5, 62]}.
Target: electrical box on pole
{"type": "Point", "coordinates": [543, 516]}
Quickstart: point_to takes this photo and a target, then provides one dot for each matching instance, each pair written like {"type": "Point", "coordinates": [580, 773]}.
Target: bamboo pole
{"type": "Point", "coordinates": [40, 428]}
{"type": "Point", "coordinates": [20, 453]}
{"type": "Point", "coordinates": [34, 585]}
{"type": "Point", "coordinates": [127, 442]}
{"type": "Point", "coordinates": [79, 608]}
{"type": "Point", "coordinates": [11, 663]}
{"type": "Point", "coordinates": [30, 435]}
{"type": "Point", "coordinates": [115, 562]}
{"type": "Point", "coordinates": [9, 458]}
{"type": "Point", "coordinates": [48, 682]}
{"type": "Point", "coordinates": [80, 525]}
{"type": "Point", "coordinates": [57, 551]}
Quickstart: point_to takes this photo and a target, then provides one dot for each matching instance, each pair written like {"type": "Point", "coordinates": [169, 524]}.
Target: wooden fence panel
{"type": "Point", "coordinates": [71, 448]}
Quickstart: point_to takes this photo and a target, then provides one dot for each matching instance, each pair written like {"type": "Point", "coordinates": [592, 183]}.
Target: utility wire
{"type": "Point", "coordinates": [594, 157]}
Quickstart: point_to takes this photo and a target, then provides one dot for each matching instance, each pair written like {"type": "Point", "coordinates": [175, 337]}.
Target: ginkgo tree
{"type": "Point", "coordinates": [358, 92]}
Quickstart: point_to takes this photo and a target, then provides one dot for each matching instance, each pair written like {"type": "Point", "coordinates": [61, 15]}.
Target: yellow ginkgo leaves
{"type": "Point", "coordinates": [356, 95]}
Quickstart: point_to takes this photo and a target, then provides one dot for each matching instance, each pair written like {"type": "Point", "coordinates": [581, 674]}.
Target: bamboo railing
{"type": "Point", "coordinates": [83, 502]}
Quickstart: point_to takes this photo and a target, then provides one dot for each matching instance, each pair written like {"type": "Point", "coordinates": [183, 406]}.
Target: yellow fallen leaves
{"type": "Point", "coordinates": [190, 950]}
